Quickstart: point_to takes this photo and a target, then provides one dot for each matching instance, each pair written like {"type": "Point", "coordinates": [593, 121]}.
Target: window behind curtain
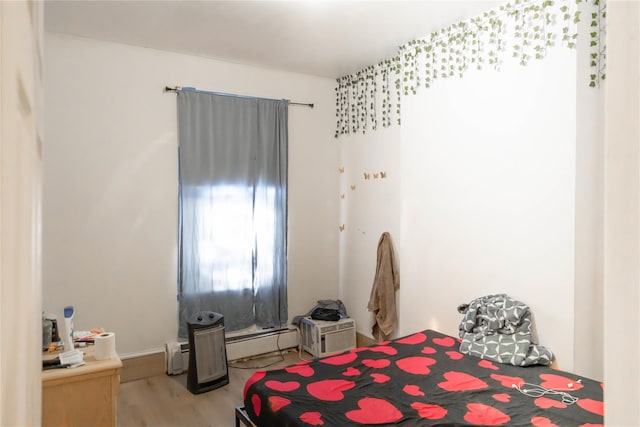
{"type": "Point", "coordinates": [233, 209]}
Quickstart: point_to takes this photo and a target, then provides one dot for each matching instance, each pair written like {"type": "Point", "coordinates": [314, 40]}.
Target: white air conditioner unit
{"type": "Point", "coordinates": [323, 337]}
{"type": "Point", "coordinates": [176, 356]}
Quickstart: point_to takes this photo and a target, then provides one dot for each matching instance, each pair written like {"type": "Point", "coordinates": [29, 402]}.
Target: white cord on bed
{"type": "Point", "coordinates": [534, 390]}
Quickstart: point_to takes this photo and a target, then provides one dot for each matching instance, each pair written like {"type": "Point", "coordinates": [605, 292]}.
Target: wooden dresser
{"type": "Point", "coordinates": [85, 396]}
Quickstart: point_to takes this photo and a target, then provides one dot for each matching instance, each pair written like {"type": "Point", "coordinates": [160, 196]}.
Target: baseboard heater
{"type": "Point", "coordinates": [238, 347]}
{"type": "Point", "coordinates": [176, 356]}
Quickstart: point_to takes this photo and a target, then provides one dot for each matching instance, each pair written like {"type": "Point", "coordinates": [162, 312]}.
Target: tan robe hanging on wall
{"type": "Point", "coordinates": [383, 293]}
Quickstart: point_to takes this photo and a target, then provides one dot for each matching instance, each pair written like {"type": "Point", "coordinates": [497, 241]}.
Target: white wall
{"type": "Point", "coordinates": [110, 183]}
{"type": "Point", "coordinates": [589, 197]}
{"type": "Point", "coordinates": [622, 216]}
{"type": "Point", "coordinates": [366, 212]}
{"type": "Point", "coordinates": [489, 166]}
{"type": "Point", "coordinates": [484, 200]}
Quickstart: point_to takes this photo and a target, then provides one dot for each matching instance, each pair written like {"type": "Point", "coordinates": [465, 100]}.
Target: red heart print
{"type": "Point", "coordinates": [377, 363]}
{"type": "Point", "coordinates": [413, 339]}
{"type": "Point", "coordinates": [384, 349]}
{"type": "Point", "coordinates": [460, 381]}
{"type": "Point", "coordinates": [277, 402]}
{"type": "Point", "coordinates": [351, 372]}
{"type": "Point", "coordinates": [542, 422]}
{"type": "Point", "coordinates": [487, 364]}
{"type": "Point", "coordinates": [374, 411]}
{"type": "Point", "coordinates": [312, 418]}
{"type": "Point", "coordinates": [254, 379]}
{"type": "Point", "coordinates": [418, 365]}
{"type": "Point", "coordinates": [341, 359]}
{"type": "Point", "coordinates": [591, 405]}
{"type": "Point", "coordinates": [302, 370]}
{"type": "Point", "coordinates": [502, 397]}
{"type": "Point", "coordinates": [429, 350]}
{"type": "Point", "coordinates": [444, 342]}
{"type": "Point", "coordinates": [255, 401]}
{"type": "Point", "coordinates": [546, 403]}
{"type": "Point", "coordinates": [413, 390]}
{"type": "Point", "coordinates": [330, 390]}
{"type": "Point", "coordinates": [430, 412]}
{"type": "Point", "coordinates": [507, 381]}
{"type": "Point", "coordinates": [478, 413]}
{"type": "Point", "coordinates": [282, 386]}
{"type": "Point", "coordinates": [454, 355]}
{"type": "Point", "coordinates": [380, 378]}
{"type": "Point", "coordinates": [560, 383]}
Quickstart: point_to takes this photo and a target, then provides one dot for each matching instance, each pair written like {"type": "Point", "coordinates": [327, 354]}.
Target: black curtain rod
{"type": "Point", "coordinates": [176, 89]}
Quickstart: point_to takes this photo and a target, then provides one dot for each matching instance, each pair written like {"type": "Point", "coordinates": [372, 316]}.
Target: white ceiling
{"type": "Point", "coordinates": [324, 38]}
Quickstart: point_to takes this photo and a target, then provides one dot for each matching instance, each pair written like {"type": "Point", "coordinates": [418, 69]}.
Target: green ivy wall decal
{"type": "Point", "coordinates": [521, 30]}
{"type": "Point", "coordinates": [597, 37]}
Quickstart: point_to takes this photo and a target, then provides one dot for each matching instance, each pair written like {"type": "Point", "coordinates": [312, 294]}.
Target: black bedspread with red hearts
{"type": "Point", "coordinates": [420, 380]}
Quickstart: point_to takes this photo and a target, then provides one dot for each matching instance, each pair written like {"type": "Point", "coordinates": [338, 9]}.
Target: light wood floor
{"type": "Point", "coordinates": [165, 401]}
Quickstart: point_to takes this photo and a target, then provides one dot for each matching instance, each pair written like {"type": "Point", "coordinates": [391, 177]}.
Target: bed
{"type": "Point", "coordinates": [418, 380]}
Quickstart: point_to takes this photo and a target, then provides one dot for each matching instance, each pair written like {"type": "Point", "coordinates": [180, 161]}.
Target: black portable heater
{"type": "Point", "coordinates": [207, 352]}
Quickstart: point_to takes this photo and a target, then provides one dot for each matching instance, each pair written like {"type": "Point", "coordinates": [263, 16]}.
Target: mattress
{"type": "Point", "coordinates": [420, 380]}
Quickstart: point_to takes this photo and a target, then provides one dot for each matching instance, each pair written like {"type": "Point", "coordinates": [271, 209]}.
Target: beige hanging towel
{"type": "Point", "coordinates": [383, 293]}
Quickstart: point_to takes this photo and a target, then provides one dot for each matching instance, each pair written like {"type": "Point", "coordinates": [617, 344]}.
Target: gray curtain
{"type": "Point", "coordinates": [232, 209]}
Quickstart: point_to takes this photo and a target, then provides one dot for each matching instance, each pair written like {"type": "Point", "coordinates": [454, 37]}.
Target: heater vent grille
{"type": "Point", "coordinates": [210, 354]}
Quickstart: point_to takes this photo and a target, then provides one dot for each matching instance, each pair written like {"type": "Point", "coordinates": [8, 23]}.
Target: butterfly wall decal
{"type": "Point", "coordinates": [376, 175]}
{"type": "Point", "coordinates": [341, 170]}
{"type": "Point", "coordinates": [341, 227]}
